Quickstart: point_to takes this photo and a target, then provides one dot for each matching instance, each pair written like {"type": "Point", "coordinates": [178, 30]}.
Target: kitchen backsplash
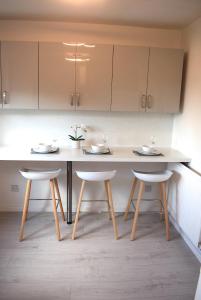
{"type": "Point", "coordinates": [30, 127]}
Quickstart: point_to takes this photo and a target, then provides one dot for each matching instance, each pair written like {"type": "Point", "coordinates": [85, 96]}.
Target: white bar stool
{"type": "Point", "coordinates": [97, 176]}
{"type": "Point", "coordinates": [142, 177]}
{"type": "Point", "coordinates": [50, 175]}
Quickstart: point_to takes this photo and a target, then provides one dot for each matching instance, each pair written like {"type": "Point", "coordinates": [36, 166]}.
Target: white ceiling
{"type": "Point", "coordinates": [154, 13]}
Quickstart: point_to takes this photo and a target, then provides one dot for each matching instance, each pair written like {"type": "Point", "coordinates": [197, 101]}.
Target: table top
{"type": "Point", "coordinates": [119, 154]}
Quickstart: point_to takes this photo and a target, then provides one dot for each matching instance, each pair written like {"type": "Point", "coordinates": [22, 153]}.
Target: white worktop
{"type": "Point", "coordinates": [119, 154]}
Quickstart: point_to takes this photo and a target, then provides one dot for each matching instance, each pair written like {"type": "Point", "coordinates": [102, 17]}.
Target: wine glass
{"type": "Point", "coordinates": [153, 140]}
{"type": "Point", "coordinates": [105, 140]}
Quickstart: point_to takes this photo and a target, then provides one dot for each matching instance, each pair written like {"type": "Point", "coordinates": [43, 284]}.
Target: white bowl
{"type": "Point", "coordinates": [146, 149]}
{"type": "Point", "coordinates": [98, 148]}
{"type": "Point", "coordinates": [41, 147]}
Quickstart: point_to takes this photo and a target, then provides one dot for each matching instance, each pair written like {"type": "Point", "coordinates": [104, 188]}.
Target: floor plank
{"type": "Point", "coordinates": [94, 266]}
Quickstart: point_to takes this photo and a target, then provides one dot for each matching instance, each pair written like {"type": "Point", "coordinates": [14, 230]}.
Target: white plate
{"type": "Point", "coordinates": [152, 152]}
{"type": "Point", "coordinates": [98, 148]}
{"type": "Point", "coordinates": [52, 150]}
{"type": "Point", "coordinates": [105, 151]}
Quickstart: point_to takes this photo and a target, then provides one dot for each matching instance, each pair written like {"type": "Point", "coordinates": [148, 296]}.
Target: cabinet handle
{"type": "Point", "coordinates": [72, 100]}
{"type": "Point", "coordinates": [143, 101]}
{"type": "Point", "coordinates": [78, 99]}
{"type": "Point", "coordinates": [149, 101]}
{"type": "Point", "coordinates": [4, 97]}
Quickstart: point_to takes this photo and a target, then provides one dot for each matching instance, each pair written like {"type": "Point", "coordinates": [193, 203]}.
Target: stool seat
{"type": "Point", "coordinates": [153, 176]}
{"type": "Point", "coordinates": [105, 177]}
{"type": "Point", "coordinates": [51, 176]}
{"type": "Point", "coordinates": [40, 174]}
{"type": "Point", "coordinates": [96, 176]}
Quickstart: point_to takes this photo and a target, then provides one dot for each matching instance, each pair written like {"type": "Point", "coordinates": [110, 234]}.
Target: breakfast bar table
{"type": "Point", "coordinates": [68, 155]}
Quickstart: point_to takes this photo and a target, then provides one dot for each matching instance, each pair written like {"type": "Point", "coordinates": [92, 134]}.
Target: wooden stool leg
{"type": "Point", "coordinates": [112, 209]}
{"type": "Point", "coordinates": [108, 203]}
{"type": "Point", "coordinates": [25, 209]}
{"type": "Point", "coordinates": [167, 228]}
{"type": "Point", "coordinates": [134, 226]}
{"type": "Point", "coordinates": [55, 209]}
{"type": "Point", "coordinates": [78, 209]}
{"type": "Point", "coordinates": [130, 198]}
{"type": "Point", "coordinates": [161, 203]}
{"type": "Point", "coordinates": [59, 198]}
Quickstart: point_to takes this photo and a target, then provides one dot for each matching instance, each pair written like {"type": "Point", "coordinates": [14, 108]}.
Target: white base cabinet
{"type": "Point", "coordinates": [184, 200]}
{"type": "Point", "coordinates": [198, 290]}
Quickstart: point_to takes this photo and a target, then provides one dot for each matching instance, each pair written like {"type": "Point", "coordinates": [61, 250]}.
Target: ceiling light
{"type": "Point", "coordinates": [73, 44]}
{"type": "Point", "coordinates": [89, 46]}
{"type": "Point", "coordinates": [77, 59]}
{"type": "Point", "coordinates": [79, 45]}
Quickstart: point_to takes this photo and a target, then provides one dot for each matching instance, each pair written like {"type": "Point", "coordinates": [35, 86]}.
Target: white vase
{"type": "Point", "coordinates": [75, 144]}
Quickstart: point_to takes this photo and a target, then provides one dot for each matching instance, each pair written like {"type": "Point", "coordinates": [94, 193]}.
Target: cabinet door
{"type": "Point", "coordinates": [56, 76]}
{"type": "Point", "coordinates": [198, 290]}
{"type": "Point", "coordinates": [130, 67]}
{"type": "Point", "coordinates": [184, 201]}
{"type": "Point", "coordinates": [1, 100]}
{"type": "Point", "coordinates": [93, 77]}
{"type": "Point", "coordinates": [164, 80]}
{"type": "Point", "coordinates": [19, 61]}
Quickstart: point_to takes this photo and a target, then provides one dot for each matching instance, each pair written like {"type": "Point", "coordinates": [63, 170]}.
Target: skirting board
{"type": "Point", "coordinates": [194, 249]}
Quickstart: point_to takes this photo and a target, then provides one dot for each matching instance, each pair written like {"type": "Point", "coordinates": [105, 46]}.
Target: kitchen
{"type": "Point", "coordinates": [21, 128]}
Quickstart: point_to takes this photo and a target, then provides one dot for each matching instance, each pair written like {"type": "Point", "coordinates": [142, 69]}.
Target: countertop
{"type": "Point", "coordinates": [119, 154]}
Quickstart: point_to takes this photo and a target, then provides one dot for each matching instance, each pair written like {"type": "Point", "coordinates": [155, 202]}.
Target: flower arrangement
{"type": "Point", "coordinates": [76, 128]}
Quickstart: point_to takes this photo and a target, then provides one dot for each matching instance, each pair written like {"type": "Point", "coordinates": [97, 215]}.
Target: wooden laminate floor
{"type": "Point", "coordinates": [95, 266]}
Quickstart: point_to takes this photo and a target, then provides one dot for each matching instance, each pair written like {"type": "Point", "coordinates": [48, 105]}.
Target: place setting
{"type": "Point", "coordinates": [97, 149]}
{"type": "Point", "coordinates": [43, 148]}
{"type": "Point", "coordinates": [146, 150]}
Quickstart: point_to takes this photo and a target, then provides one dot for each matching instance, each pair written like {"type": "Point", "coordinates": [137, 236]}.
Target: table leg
{"type": "Point", "coordinates": [69, 192]}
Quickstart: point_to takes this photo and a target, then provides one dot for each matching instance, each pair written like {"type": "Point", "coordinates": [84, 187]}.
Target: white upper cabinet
{"type": "Point", "coordinates": [49, 75]}
{"type": "Point", "coordinates": [56, 76]}
{"type": "Point", "coordinates": [75, 77]}
{"type": "Point", "coordinates": [130, 66]}
{"type": "Point", "coordinates": [146, 79]}
{"type": "Point", "coordinates": [93, 77]}
{"type": "Point", "coordinates": [164, 80]}
{"type": "Point", "coordinates": [19, 69]}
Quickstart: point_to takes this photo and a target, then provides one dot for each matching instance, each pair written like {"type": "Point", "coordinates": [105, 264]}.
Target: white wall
{"type": "Point", "coordinates": [96, 33]}
{"type": "Point", "coordinates": [187, 125]}
{"type": "Point", "coordinates": [28, 127]}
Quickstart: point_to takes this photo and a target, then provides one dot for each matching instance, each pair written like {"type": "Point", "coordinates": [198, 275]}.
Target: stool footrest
{"type": "Point", "coordinates": [56, 200]}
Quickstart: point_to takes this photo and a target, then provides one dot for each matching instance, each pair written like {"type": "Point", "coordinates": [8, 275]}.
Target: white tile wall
{"type": "Point", "coordinates": [29, 127]}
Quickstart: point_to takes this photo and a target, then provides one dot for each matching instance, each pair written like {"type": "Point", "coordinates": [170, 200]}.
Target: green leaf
{"type": "Point", "coordinates": [71, 137]}
{"type": "Point", "coordinates": [79, 138]}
